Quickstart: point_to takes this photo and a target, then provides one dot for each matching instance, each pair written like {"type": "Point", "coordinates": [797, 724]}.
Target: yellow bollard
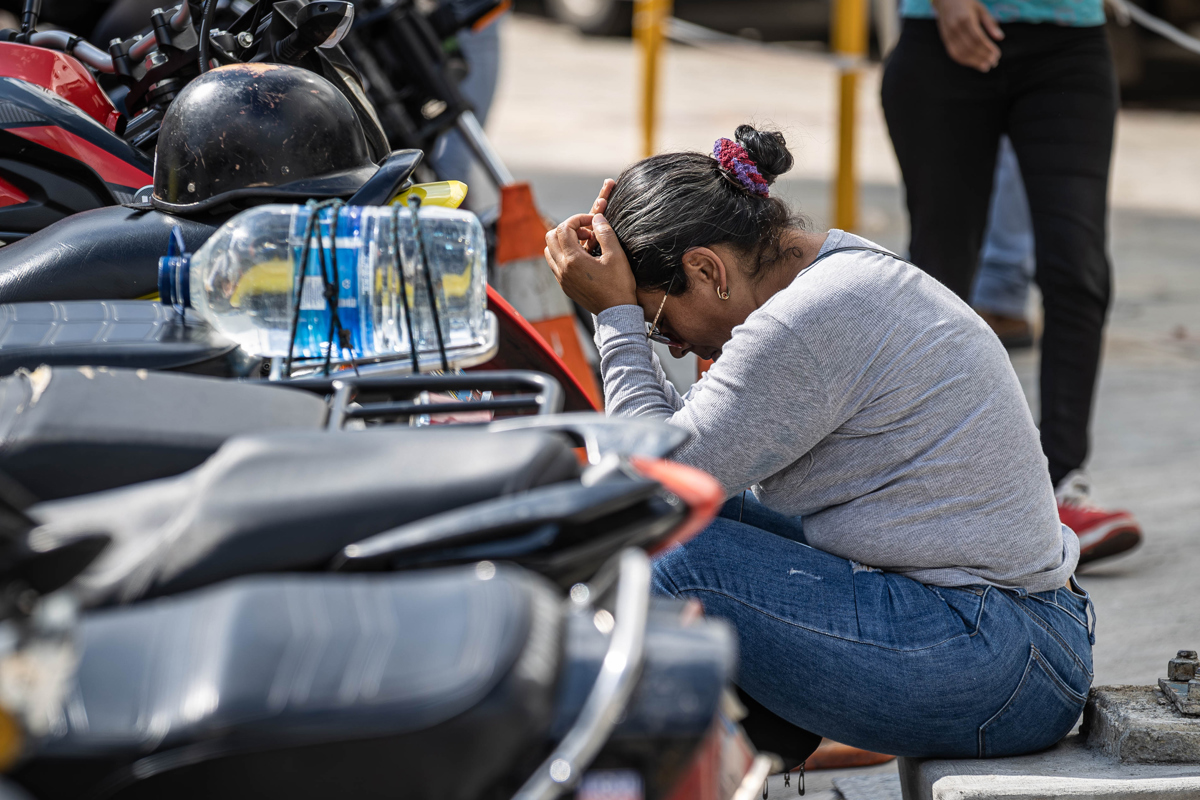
{"type": "Point", "coordinates": [649, 26]}
{"type": "Point", "coordinates": [849, 40]}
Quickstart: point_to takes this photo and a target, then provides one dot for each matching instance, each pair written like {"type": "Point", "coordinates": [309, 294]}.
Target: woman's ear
{"type": "Point", "coordinates": [705, 267]}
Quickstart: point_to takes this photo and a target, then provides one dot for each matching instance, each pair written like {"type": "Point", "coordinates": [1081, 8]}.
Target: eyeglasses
{"type": "Point", "coordinates": [652, 331]}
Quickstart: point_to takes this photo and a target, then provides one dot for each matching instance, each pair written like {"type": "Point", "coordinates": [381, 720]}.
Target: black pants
{"type": "Point", "coordinates": [1054, 93]}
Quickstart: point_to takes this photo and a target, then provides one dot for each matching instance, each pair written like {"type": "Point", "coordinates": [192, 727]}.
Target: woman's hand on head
{"type": "Point", "coordinates": [595, 282]}
{"type": "Point", "coordinates": [967, 31]}
{"type": "Point", "coordinates": [598, 207]}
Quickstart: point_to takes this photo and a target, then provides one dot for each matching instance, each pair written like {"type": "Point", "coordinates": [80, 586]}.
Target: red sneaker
{"type": "Point", "coordinates": [1101, 533]}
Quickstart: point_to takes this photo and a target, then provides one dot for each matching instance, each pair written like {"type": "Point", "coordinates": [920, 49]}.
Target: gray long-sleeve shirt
{"type": "Point", "coordinates": [870, 400]}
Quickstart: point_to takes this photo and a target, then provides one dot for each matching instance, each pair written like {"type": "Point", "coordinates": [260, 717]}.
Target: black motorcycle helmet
{"type": "Point", "coordinates": [258, 130]}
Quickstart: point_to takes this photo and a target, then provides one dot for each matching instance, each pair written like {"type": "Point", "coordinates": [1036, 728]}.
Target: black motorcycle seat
{"type": "Point", "coordinates": [289, 501]}
{"type": "Point", "coordinates": [430, 684]}
{"type": "Point", "coordinates": [70, 431]}
{"type": "Point", "coordinates": [104, 253]}
{"type": "Point", "coordinates": [114, 333]}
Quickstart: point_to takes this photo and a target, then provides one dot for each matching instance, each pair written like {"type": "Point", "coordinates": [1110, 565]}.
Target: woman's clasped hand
{"type": "Point", "coordinates": [596, 282]}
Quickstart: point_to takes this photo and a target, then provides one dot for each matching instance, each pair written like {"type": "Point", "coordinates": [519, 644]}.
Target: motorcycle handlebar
{"type": "Point", "coordinates": [143, 46]}
{"type": "Point", "coordinates": [86, 52]}
{"type": "Point", "coordinates": [96, 58]}
{"type": "Point", "coordinates": [182, 17]}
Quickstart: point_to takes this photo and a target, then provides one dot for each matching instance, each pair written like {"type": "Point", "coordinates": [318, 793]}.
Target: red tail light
{"type": "Point", "coordinates": [699, 490]}
{"type": "Point", "coordinates": [726, 766]}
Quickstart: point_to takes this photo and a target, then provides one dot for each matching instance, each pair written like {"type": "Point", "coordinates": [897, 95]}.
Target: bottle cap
{"type": "Point", "coordinates": [174, 275]}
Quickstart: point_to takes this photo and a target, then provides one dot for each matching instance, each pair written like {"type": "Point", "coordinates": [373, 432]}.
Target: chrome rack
{"type": "Point", "coordinates": [379, 398]}
{"type": "Point", "coordinates": [619, 674]}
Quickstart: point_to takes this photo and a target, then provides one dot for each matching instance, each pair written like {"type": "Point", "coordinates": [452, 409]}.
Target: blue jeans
{"type": "Point", "coordinates": [877, 660]}
{"type": "Point", "coordinates": [1006, 262]}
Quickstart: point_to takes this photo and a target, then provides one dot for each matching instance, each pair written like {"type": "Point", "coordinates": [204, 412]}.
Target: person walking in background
{"type": "Point", "coordinates": [955, 82]}
{"type": "Point", "coordinates": [1006, 263]}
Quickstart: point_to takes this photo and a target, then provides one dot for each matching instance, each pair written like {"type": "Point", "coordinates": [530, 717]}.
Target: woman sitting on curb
{"type": "Point", "coordinates": [905, 584]}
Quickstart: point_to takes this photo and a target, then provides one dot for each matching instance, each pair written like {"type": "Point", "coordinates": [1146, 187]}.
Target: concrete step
{"type": "Point", "coordinates": [1137, 724]}
{"type": "Point", "coordinates": [1069, 770]}
{"type": "Point", "coordinates": [1132, 745]}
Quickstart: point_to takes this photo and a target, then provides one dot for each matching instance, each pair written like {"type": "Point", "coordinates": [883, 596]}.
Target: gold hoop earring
{"type": "Point", "coordinates": [721, 293]}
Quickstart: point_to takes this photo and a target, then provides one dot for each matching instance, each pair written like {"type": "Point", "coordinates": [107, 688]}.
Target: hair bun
{"type": "Point", "coordinates": [767, 148]}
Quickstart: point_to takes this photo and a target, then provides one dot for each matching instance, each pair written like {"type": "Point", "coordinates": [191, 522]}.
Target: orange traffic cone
{"type": "Point", "coordinates": [523, 279]}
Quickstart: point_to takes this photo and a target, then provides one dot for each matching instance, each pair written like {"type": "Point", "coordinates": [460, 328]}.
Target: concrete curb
{"type": "Point", "coordinates": [1068, 770]}
{"type": "Point", "coordinates": [1136, 724]}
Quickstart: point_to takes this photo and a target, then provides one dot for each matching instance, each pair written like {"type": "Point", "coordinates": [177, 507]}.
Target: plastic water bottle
{"type": "Point", "coordinates": [245, 281]}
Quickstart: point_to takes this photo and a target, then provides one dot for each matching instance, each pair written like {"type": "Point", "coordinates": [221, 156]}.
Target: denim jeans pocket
{"type": "Point", "coordinates": [1069, 635]}
{"type": "Point", "coordinates": [1041, 711]}
{"type": "Point", "coordinates": [1070, 599]}
{"type": "Point", "coordinates": [1079, 598]}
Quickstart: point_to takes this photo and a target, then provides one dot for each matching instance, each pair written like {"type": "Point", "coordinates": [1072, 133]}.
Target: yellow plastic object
{"type": "Point", "coordinates": [12, 741]}
{"type": "Point", "coordinates": [447, 194]}
{"type": "Point", "coordinates": [456, 285]}
{"type": "Point", "coordinates": [452, 285]}
{"type": "Point", "coordinates": [269, 277]}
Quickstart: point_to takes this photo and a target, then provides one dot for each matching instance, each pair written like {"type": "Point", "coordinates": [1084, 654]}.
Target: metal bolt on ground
{"type": "Point", "coordinates": [1182, 667]}
{"type": "Point", "coordinates": [1181, 686]}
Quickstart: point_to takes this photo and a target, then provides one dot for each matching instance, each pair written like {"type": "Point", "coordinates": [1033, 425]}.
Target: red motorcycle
{"type": "Point", "coordinates": [59, 148]}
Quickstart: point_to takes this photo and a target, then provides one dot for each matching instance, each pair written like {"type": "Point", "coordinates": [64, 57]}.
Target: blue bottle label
{"type": "Point", "coordinates": [342, 245]}
{"type": "Point", "coordinates": [350, 248]}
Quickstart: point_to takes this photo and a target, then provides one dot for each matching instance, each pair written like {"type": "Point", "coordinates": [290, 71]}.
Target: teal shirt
{"type": "Point", "coordinates": [1076, 13]}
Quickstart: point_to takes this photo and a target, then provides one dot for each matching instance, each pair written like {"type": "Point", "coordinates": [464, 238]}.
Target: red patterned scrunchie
{"type": "Point", "coordinates": [737, 163]}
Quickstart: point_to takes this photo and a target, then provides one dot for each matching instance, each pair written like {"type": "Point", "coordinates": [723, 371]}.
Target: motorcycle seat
{"type": "Point", "coordinates": [289, 501]}
{"type": "Point", "coordinates": [114, 333]}
{"type": "Point", "coordinates": [74, 430]}
{"type": "Point", "coordinates": [433, 684]}
{"type": "Point", "coordinates": [109, 252]}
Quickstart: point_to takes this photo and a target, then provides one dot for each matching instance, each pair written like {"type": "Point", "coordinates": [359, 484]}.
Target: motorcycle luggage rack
{"type": "Point", "coordinates": [407, 396]}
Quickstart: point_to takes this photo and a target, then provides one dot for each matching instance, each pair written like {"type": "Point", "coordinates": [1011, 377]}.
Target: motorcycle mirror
{"type": "Point", "coordinates": [31, 10]}
{"type": "Point", "coordinates": [322, 24]}
{"type": "Point", "coordinates": [343, 27]}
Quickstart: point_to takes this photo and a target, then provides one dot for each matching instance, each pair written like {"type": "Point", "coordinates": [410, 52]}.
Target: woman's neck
{"type": "Point", "coordinates": [799, 250]}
